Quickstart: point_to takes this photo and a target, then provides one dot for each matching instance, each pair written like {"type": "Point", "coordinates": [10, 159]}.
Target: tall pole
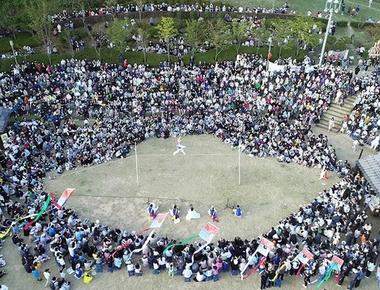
{"type": "Point", "coordinates": [137, 167]}
{"type": "Point", "coordinates": [326, 36]}
{"type": "Point", "coordinates": [13, 51]}
{"type": "Point", "coordinates": [269, 51]}
{"type": "Point", "coordinates": [239, 157]}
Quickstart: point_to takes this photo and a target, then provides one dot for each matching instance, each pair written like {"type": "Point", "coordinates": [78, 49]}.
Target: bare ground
{"type": "Point", "coordinates": [207, 175]}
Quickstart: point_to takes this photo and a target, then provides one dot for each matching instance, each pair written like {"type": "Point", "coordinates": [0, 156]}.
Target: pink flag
{"type": "Point", "coordinates": [65, 196]}
{"type": "Point", "coordinates": [208, 232]}
{"type": "Point", "coordinates": [158, 220]}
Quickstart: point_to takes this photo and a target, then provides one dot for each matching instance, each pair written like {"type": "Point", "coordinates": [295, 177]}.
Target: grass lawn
{"type": "Point", "coordinates": [302, 6]}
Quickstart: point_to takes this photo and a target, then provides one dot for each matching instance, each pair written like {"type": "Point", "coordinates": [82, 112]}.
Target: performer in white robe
{"type": "Point", "coordinates": [192, 214]}
{"type": "Point", "coordinates": [179, 147]}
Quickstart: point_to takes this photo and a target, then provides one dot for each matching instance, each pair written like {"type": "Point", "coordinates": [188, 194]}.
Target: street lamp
{"type": "Point", "coordinates": [13, 51]}
{"type": "Point", "coordinates": [330, 6]}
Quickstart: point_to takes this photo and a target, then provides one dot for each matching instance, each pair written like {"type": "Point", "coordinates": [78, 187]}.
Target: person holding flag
{"type": "Point", "coordinates": [213, 214]}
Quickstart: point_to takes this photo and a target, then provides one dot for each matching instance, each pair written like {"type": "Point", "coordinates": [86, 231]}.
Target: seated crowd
{"type": "Point", "coordinates": [268, 113]}
{"type": "Point", "coordinates": [363, 124]}
{"type": "Point", "coordinates": [65, 16]}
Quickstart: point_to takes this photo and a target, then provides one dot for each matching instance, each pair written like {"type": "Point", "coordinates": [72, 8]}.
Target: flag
{"type": "Point", "coordinates": [265, 246]}
{"type": "Point", "coordinates": [39, 214]}
{"type": "Point", "coordinates": [65, 196]}
{"type": "Point", "coordinates": [305, 256]}
{"type": "Point", "coordinates": [158, 220]}
{"type": "Point", "coordinates": [54, 200]}
{"type": "Point", "coordinates": [208, 232]}
{"type": "Point", "coordinates": [337, 260]}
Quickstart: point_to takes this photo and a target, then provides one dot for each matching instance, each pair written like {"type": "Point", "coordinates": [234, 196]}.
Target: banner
{"type": "Point", "coordinates": [65, 196]}
{"type": "Point", "coordinates": [182, 242]}
{"type": "Point", "coordinates": [265, 247]}
{"type": "Point", "coordinates": [54, 200]}
{"type": "Point", "coordinates": [208, 232]}
{"type": "Point", "coordinates": [338, 261]}
{"type": "Point", "coordinates": [39, 214]}
{"type": "Point", "coordinates": [305, 256]}
{"type": "Point", "coordinates": [158, 220]}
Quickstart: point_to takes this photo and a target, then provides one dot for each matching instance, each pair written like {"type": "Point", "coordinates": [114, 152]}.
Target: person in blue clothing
{"type": "Point", "coordinates": [238, 211]}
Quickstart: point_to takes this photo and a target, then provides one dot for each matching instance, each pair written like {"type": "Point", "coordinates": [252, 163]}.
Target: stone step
{"type": "Point", "coordinates": [341, 111]}
{"type": "Point", "coordinates": [337, 116]}
{"type": "Point", "coordinates": [351, 98]}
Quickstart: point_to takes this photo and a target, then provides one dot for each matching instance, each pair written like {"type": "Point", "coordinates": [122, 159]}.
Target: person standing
{"type": "Point", "coordinates": [264, 279]}
{"type": "Point", "coordinates": [331, 124]}
{"type": "Point", "coordinates": [355, 143]}
{"type": "Point", "coordinates": [179, 147]}
{"type": "Point", "coordinates": [378, 277]}
{"type": "Point", "coordinates": [375, 143]}
{"type": "Point", "coordinates": [47, 276]}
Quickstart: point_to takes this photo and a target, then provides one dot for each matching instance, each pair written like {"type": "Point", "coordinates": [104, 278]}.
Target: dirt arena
{"type": "Point", "coordinates": [207, 175]}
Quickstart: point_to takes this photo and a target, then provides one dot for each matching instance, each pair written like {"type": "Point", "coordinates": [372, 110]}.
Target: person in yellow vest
{"type": "Point", "coordinates": [87, 278]}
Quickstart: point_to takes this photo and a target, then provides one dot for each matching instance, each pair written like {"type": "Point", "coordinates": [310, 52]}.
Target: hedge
{"type": "Point", "coordinates": [22, 39]}
{"type": "Point", "coordinates": [109, 55]}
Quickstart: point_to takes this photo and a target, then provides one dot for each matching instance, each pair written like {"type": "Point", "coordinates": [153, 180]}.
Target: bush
{"type": "Point", "coordinates": [110, 55]}
{"type": "Point", "coordinates": [22, 39]}
{"type": "Point", "coordinates": [341, 23]}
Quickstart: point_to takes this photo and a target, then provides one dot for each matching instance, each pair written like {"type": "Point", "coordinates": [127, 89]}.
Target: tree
{"type": "Point", "coordinates": [120, 33]}
{"type": "Point", "coordinates": [82, 5]}
{"type": "Point", "coordinates": [13, 15]}
{"type": "Point", "coordinates": [302, 29]}
{"type": "Point", "coordinates": [109, 4]}
{"type": "Point", "coordinates": [373, 32]}
{"type": "Point", "coordinates": [167, 29]}
{"type": "Point", "coordinates": [220, 35]}
{"type": "Point", "coordinates": [281, 33]}
{"type": "Point", "coordinates": [38, 12]}
{"type": "Point", "coordinates": [143, 37]}
{"type": "Point", "coordinates": [239, 32]}
{"type": "Point", "coordinates": [195, 34]}
{"type": "Point", "coordinates": [140, 6]}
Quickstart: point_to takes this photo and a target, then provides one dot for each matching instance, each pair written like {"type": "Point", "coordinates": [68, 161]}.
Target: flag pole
{"type": "Point", "coordinates": [137, 168]}
{"type": "Point", "coordinates": [239, 157]}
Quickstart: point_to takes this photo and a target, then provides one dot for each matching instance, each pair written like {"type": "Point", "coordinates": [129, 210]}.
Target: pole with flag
{"type": "Point", "coordinates": [137, 166]}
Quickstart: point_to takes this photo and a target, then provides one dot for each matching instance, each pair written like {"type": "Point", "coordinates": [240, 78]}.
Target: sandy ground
{"type": "Point", "coordinates": [207, 175]}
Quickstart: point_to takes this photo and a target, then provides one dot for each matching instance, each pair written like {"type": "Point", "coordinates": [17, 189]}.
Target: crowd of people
{"type": "Point", "coordinates": [65, 16]}
{"type": "Point", "coordinates": [270, 113]}
{"type": "Point", "coordinates": [363, 124]}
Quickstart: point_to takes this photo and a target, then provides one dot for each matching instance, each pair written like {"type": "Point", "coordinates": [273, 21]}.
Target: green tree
{"type": "Point", "coordinates": [140, 5]}
{"type": "Point", "coordinates": [13, 15]}
{"type": "Point", "coordinates": [167, 29]}
{"type": "Point", "coordinates": [239, 31]}
{"type": "Point", "coordinates": [281, 33]}
{"type": "Point", "coordinates": [195, 34]}
{"type": "Point", "coordinates": [143, 36]}
{"type": "Point", "coordinates": [119, 33]}
{"type": "Point", "coordinates": [302, 29]}
{"type": "Point", "coordinates": [38, 13]}
{"type": "Point", "coordinates": [220, 35]}
{"type": "Point", "coordinates": [110, 4]}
